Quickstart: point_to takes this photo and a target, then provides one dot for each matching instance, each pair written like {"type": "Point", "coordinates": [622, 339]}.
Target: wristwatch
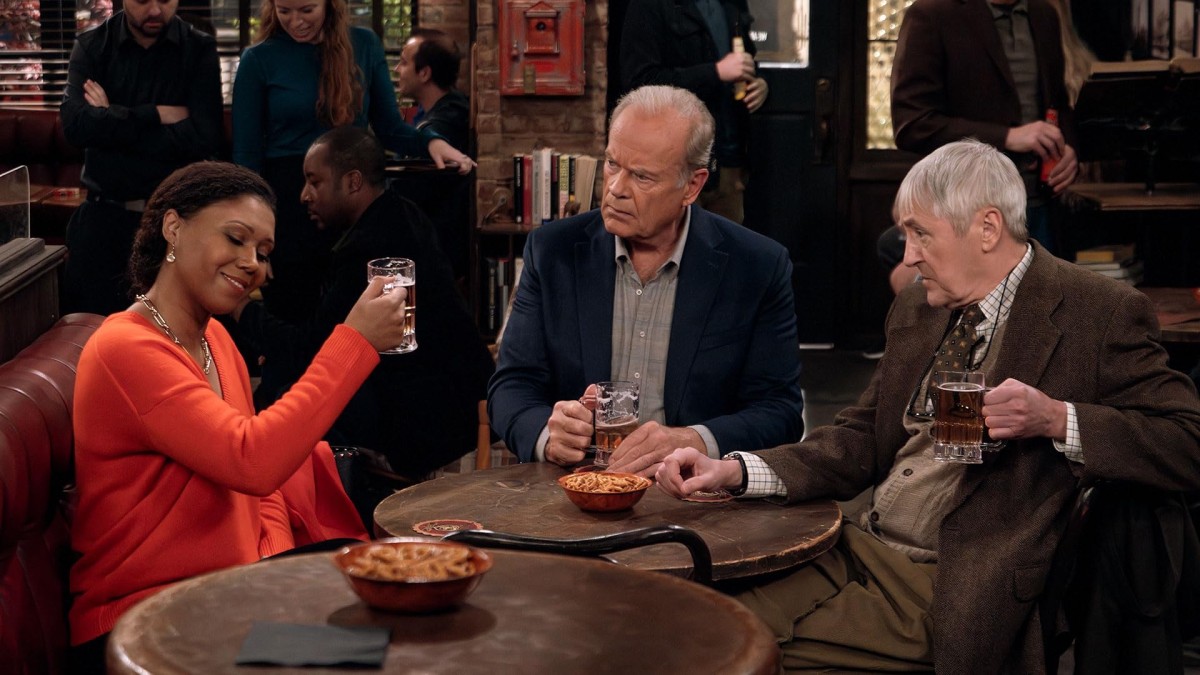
{"type": "Point", "coordinates": [741, 489]}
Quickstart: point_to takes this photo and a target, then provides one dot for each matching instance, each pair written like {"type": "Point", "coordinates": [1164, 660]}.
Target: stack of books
{"type": "Point", "coordinates": [1118, 261]}
{"type": "Point", "coordinates": [499, 284]}
{"type": "Point", "coordinates": [548, 185]}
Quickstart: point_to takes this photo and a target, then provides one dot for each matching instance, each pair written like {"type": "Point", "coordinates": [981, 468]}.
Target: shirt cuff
{"type": "Point", "coordinates": [761, 479]}
{"type": "Point", "coordinates": [710, 442]}
{"type": "Point", "coordinates": [1073, 446]}
{"type": "Point", "coordinates": [539, 448]}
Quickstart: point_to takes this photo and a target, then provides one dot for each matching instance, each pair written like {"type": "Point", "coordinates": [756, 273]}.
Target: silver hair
{"type": "Point", "coordinates": [957, 180]}
{"type": "Point", "coordinates": [656, 100]}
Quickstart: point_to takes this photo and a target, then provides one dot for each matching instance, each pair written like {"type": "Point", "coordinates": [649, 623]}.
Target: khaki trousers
{"type": "Point", "coordinates": [861, 606]}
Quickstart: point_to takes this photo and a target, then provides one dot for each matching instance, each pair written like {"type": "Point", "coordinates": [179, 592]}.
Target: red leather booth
{"type": "Point", "coordinates": [36, 468]}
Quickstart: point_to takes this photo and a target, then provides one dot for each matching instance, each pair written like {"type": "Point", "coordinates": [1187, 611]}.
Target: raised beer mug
{"type": "Point", "coordinates": [957, 416]}
{"type": "Point", "coordinates": [403, 272]}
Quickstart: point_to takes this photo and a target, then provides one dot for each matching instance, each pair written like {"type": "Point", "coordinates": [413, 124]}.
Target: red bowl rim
{"type": "Point", "coordinates": [562, 484]}
{"type": "Point", "coordinates": [483, 560]}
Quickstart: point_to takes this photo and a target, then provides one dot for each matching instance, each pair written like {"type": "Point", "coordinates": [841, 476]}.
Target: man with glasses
{"type": "Point", "coordinates": [943, 567]}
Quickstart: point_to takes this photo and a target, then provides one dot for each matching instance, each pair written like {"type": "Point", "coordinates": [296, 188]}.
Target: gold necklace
{"type": "Point", "coordinates": [162, 323]}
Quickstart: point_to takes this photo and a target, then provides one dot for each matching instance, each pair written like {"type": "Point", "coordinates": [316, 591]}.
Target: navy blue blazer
{"type": "Point", "coordinates": [733, 363]}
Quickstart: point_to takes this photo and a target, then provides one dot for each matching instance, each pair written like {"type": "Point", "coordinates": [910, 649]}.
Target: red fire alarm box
{"type": "Point", "coordinates": [541, 47]}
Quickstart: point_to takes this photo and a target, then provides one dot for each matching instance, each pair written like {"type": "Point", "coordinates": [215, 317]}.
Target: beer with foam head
{"type": "Point", "coordinates": [958, 417]}
{"type": "Point", "coordinates": [401, 272]}
{"type": "Point", "coordinates": [616, 416]}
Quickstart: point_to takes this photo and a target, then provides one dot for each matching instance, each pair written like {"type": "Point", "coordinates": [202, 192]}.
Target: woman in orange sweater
{"type": "Point", "coordinates": [177, 475]}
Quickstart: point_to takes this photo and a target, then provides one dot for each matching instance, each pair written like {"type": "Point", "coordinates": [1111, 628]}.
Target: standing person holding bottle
{"type": "Point", "coordinates": [991, 70]}
{"type": "Point", "coordinates": [703, 46]}
{"type": "Point", "coordinates": [309, 72]}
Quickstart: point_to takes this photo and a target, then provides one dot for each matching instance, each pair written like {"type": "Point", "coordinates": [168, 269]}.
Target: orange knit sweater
{"type": "Point", "coordinates": [175, 481]}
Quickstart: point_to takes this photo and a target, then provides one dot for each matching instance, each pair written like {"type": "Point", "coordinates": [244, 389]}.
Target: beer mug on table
{"type": "Point", "coordinates": [958, 416]}
{"type": "Point", "coordinates": [616, 416]}
{"type": "Point", "coordinates": [403, 272]}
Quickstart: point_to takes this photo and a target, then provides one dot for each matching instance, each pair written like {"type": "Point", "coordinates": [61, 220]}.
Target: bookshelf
{"type": "Point", "coordinates": [495, 253]}
{"type": "Point", "coordinates": [546, 185]}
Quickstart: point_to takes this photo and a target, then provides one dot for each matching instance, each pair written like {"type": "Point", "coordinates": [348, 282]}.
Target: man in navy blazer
{"type": "Point", "coordinates": [654, 289]}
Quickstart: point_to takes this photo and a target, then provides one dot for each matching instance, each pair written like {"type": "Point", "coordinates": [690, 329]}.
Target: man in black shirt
{"type": "Point", "coordinates": [143, 98]}
{"type": "Point", "coordinates": [419, 409]}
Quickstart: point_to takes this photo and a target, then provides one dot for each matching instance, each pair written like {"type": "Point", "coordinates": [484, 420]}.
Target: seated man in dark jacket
{"type": "Point", "coordinates": [651, 288]}
{"type": "Point", "coordinates": [420, 409]}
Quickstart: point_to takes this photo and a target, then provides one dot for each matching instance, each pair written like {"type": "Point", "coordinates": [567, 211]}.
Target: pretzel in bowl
{"type": "Point", "coordinates": [601, 482]}
{"type": "Point", "coordinates": [413, 562]}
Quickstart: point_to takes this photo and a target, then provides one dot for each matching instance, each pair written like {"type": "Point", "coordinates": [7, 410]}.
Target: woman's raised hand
{"type": "Point", "coordinates": [379, 316]}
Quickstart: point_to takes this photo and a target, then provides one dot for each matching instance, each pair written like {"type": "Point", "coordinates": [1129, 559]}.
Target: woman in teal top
{"type": "Point", "coordinates": [309, 72]}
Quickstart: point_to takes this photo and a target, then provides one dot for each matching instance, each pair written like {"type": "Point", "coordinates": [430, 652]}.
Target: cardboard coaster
{"type": "Point", "coordinates": [443, 526]}
{"type": "Point", "coordinates": [708, 497]}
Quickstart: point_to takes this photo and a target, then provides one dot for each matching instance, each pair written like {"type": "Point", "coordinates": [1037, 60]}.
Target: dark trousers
{"type": "Point", "coordinates": [99, 241]}
{"type": "Point", "coordinates": [1045, 224]}
{"type": "Point", "coordinates": [89, 658]}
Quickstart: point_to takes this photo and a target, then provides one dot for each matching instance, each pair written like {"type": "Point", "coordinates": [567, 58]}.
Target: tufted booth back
{"type": "Point", "coordinates": [36, 468]}
{"type": "Point", "coordinates": [35, 138]}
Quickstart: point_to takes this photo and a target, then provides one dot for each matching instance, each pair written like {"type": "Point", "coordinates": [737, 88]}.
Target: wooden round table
{"type": "Point", "coordinates": [532, 613]}
{"type": "Point", "coordinates": [1174, 306]}
{"type": "Point", "coordinates": [747, 537]}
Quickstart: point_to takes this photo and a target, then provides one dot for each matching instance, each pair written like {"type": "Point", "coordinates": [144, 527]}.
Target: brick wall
{"type": "Point", "coordinates": [453, 18]}
{"type": "Point", "coordinates": [505, 125]}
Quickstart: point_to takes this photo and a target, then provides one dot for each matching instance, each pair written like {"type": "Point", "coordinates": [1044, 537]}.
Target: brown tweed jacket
{"type": "Point", "coordinates": [1078, 337]}
{"type": "Point", "coordinates": [951, 79]}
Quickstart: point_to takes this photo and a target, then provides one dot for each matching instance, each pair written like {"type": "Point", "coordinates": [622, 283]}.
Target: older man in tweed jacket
{"type": "Point", "coordinates": [944, 567]}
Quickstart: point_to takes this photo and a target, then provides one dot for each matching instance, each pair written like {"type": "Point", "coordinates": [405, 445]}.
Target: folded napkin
{"type": "Point", "coordinates": [291, 644]}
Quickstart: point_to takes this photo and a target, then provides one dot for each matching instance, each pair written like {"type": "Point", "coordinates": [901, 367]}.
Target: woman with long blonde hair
{"type": "Point", "coordinates": [309, 72]}
{"type": "Point", "coordinates": [1077, 58]}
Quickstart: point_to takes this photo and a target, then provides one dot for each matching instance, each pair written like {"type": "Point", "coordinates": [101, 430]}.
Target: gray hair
{"type": "Point", "coordinates": [957, 180]}
{"type": "Point", "coordinates": [655, 100]}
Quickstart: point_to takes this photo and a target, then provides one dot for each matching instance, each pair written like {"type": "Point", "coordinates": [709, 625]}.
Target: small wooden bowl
{"type": "Point", "coordinates": [606, 501]}
{"type": "Point", "coordinates": [410, 595]}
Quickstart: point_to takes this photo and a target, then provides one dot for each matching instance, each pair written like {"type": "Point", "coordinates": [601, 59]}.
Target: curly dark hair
{"type": "Point", "coordinates": [187, 191]}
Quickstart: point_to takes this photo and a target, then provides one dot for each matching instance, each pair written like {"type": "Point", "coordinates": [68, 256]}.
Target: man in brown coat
{"type": "Point", "coordinates": [945, 565]}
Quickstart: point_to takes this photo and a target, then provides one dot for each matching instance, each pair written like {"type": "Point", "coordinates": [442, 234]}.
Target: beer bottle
{"type": "Point", "coordinates": [739, 87]}
{"type": "Point", "coordinates": [1049, 163]}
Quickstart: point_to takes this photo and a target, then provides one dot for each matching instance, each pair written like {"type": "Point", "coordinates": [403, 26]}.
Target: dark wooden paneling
{"type": "Point", "coordinates": [28, 292]}
{"type": "Point", "coordinates": [789, 202]}
{"type": "Point", "coordinates": [868, 294]}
